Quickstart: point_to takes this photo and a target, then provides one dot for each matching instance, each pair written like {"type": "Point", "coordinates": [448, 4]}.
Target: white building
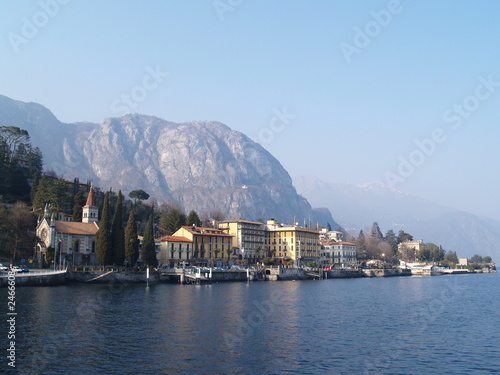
{"type": "Point", "coordinates": [73, 242]}
{"type": "Point", "coordinates": [248, 238]}
{"type": "Point", "coordinates": [336, 235]}
{"type": "Point", "coordinates": [339, 254]}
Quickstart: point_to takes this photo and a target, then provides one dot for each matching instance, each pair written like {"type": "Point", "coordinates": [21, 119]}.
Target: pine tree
{"type": "Point", "coordinates": [193, 219]}
{"type": "Point", "coordinates": [103, 237]}
{"type": "Point", "coordinates": [376, 232]}
{"type": "Point", "coordinates": [148, 245]}
{"type": "Point", "coordinates": [391, 239]}
{"type": "Point", "coordinates": [403, 236]}
{"type": "Point", "coordinates": [172, 221]}
{"type": "Point", "coordinates": [131, 240]}
{"type": "Point", "coordinates": [117, 233]}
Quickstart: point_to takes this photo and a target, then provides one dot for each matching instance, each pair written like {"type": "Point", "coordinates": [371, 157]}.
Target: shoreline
{"type": "Point", "coordinates": [205, 276]}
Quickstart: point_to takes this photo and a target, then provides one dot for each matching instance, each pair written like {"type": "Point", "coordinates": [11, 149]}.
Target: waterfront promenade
{"type": "Point", "coordinates": [36, 277]}
{"type": "Point", "coordinates": [196, 275]}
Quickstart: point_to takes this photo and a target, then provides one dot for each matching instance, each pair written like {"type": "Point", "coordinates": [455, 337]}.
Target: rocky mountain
{"type": "Point", "coordinates": [357, 207]}
{"type": "Point", "coordinates": [201, 165]}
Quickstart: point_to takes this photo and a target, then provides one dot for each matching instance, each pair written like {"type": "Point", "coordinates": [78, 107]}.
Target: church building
{"type": "Point", "coordinates": [74, 242]}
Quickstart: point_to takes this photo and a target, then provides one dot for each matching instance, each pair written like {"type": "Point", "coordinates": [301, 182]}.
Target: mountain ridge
{"type": "Point", "coordinates": [203, 165]}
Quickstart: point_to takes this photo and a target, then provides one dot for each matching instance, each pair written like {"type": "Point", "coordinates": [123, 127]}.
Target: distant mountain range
{"type": "Point", "coordinates": [202, 165]}
{"type": "Point", "coordinates": [357, 207]}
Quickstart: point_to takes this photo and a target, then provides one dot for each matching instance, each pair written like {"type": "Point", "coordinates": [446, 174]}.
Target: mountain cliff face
{"type": "Point", "coordinates": [202, 165]}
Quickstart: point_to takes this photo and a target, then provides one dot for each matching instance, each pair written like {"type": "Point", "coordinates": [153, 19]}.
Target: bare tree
{"type": "Point", "coordinates": [407, 253]}
{"type": "Point", "coordinates": [21, 222]}
{"type": "Point", "coordinates": [217, 215]}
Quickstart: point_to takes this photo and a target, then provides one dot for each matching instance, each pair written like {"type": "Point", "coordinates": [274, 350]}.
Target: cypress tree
{"type": "Point", "coordinates": [117, 233]}
{"type": "Point", "coordinates": [131, 240]}
{"type": "Point", "coordinates": [103, 248]}
{"type": "Point", "coordinates": [148, 245]}
{"type": "Point", "coordinates": [78, 203]}
{"type": "Point", "coordinates": [361, 244]}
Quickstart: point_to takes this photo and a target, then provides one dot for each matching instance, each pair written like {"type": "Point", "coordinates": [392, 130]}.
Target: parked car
{"type": "Point", "coordinates": [3, 267]}
{"type": "Point", "coordinates": [16, 269]}
{"type": "Point", "coordinates": [24, 268]}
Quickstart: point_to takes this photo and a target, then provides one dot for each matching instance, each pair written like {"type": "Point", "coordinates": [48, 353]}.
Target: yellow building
{"type": "Point", "coordinates": [210, 245]}
{"type": "Point", "coordinates": [295, 243]}
{"type": "Point", "coordinates": [174, 250]}
{"type": "Point", "coordinates": [248, 238]}
{"type": "Point", "coordinates": [408, 250]}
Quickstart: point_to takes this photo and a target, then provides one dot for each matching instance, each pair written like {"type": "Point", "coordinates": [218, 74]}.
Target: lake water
{"type": "Point", "coordinates": [400, 325]}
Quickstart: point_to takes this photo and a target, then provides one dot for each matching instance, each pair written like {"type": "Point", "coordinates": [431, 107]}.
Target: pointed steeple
{"type": "Point", "coordinates": [90, 210]}
{"type": "Point", "coordinates": [91, 198]}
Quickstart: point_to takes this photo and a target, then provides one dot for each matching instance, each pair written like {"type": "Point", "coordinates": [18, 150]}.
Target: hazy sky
{"type": "Point", "coordinates": [401, 92]}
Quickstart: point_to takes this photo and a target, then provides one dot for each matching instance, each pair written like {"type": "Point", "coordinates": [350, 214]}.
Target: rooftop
{"type": "Point", "coordinates": [204, 231]}
{"type": "Point", "coordinates": [173, 239]}
{"type": "Point", "coordinates": [88, 229]}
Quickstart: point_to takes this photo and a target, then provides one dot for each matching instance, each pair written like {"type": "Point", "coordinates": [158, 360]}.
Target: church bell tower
{"type": "Point", "coordinates": [90, 212]}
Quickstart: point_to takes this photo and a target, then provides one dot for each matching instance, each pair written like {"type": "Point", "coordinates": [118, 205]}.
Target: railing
{"type": "Point", "coordinates": [34, 273]}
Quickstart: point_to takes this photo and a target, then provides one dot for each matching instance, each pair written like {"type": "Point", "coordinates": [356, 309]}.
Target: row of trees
{"type": "Point", "coordinates": [376, 245]}
{"type": "Point", "coordinates": [116, 243]}
{"type": "Point", "coordinates": [16, 231]}
{"type": "Point", "coordinates": [478, 259]}
{"type": "Point", "coordinates": [19, 162]}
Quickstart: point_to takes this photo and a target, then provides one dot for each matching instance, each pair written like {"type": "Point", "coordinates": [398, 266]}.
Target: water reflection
{"type": "Point", "coordinates": [351, 326]}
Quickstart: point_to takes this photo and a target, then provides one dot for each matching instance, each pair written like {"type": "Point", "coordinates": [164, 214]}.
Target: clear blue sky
{"type": "Point", "coordinates": [359, 102]}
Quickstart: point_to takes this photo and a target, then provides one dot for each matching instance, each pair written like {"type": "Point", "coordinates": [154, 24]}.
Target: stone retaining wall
{"type": "Point", "coordinates": [96, 277]}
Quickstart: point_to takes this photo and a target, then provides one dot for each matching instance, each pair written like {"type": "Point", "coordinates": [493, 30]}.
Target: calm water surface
{"type": "Point", "coordinates": [401, 325]}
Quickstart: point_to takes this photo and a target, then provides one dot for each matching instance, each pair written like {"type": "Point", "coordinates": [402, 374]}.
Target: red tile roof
{"type": "Point", "coordinates": [71, 227]}
{"type": "Point", "coordinates": [173, 239]}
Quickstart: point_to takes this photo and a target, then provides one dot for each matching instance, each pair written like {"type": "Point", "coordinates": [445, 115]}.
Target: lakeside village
{"type": "Point", "coordinates": [224, 250]}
